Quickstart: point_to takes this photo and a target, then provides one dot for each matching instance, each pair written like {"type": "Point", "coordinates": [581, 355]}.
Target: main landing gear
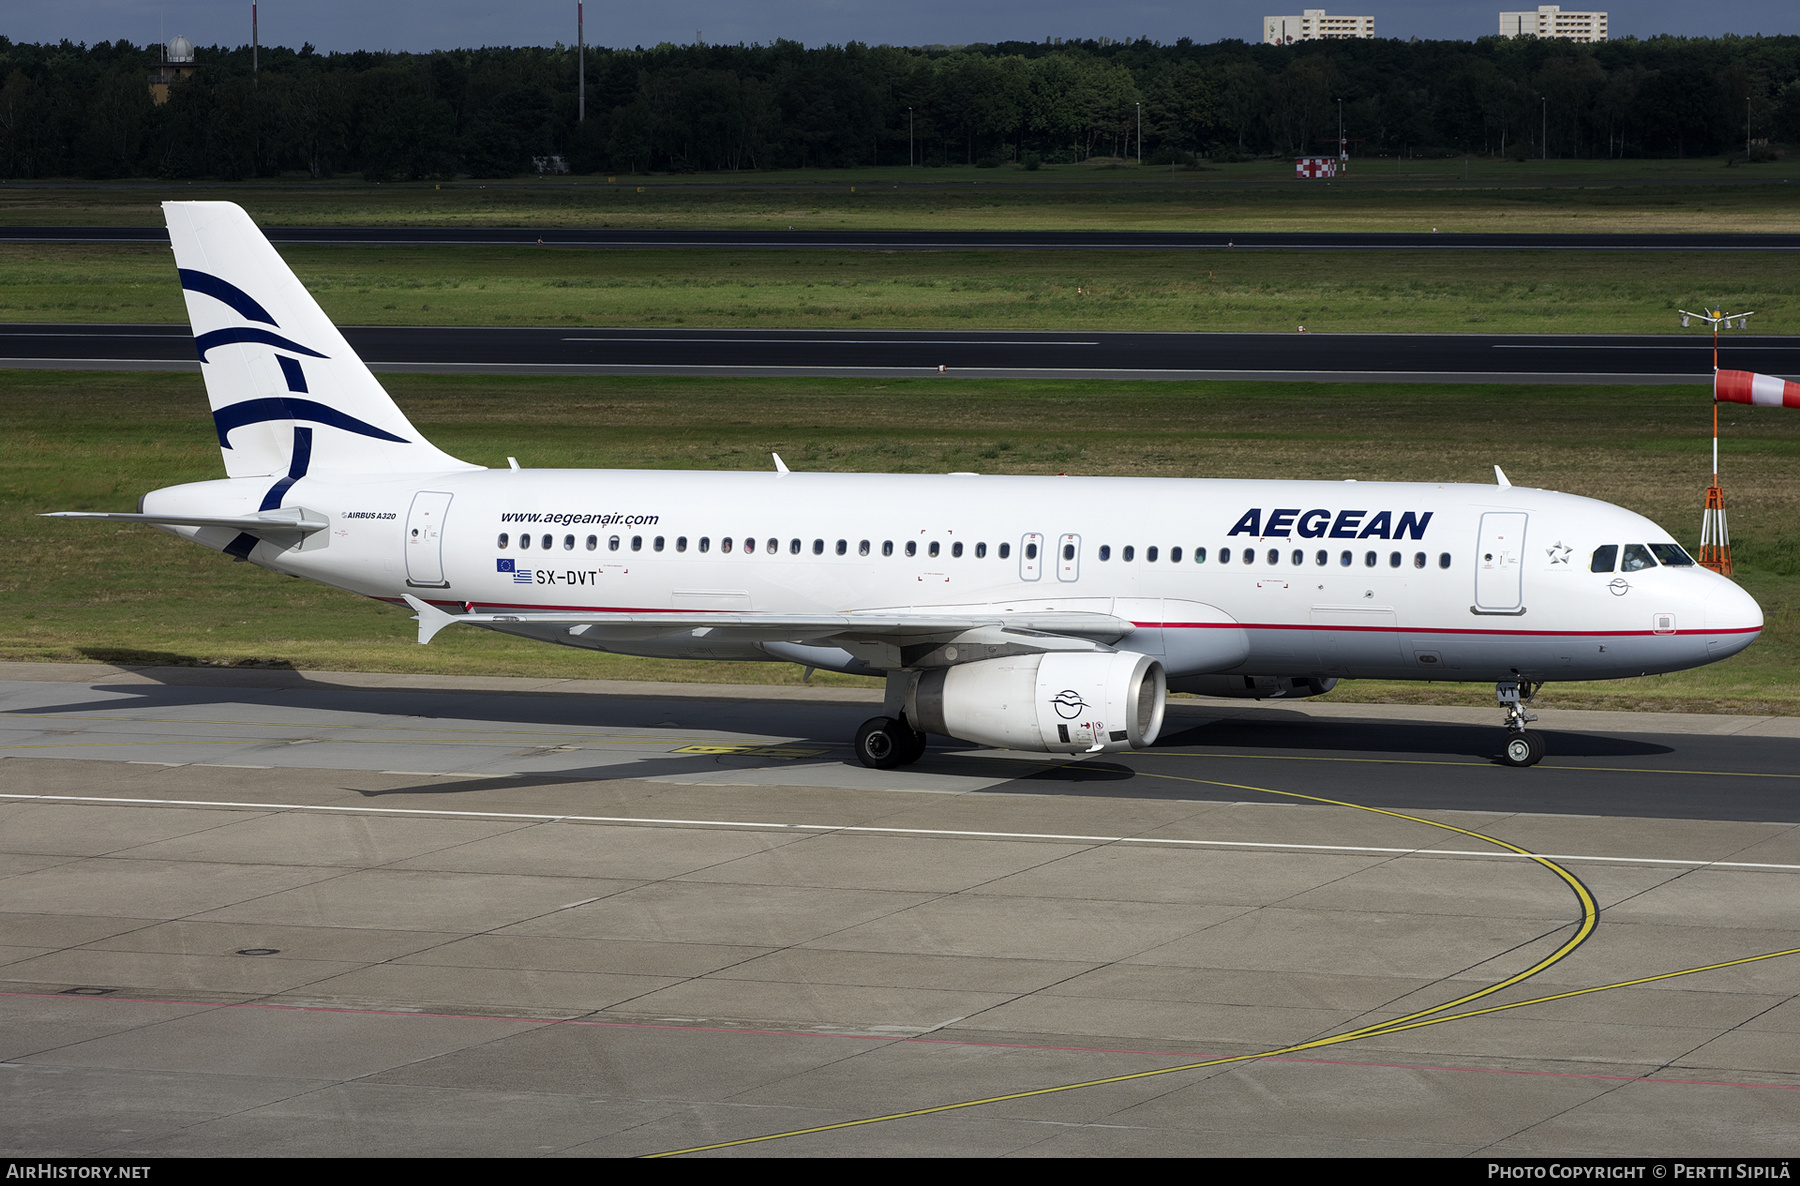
{"type": "Point", "coordinates": [1524, 747]}
{"type": "Point", "coordinates": [884, 743]}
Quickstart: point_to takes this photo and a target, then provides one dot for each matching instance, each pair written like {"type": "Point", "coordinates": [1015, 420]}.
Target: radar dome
{"type": "Point", "coordinates": [181, 50]}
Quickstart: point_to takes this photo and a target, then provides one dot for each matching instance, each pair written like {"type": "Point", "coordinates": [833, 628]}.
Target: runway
{"type": "Point", "coordinates": [1446, 358]}
{"type": "Point", "coordinates": [269, 912]}
{"type": "Point", "coordinates": [634, 238]}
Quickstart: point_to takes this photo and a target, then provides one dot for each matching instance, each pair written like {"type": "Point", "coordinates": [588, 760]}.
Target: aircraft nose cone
{"type": "Point", "coordinates": [1733, 616]}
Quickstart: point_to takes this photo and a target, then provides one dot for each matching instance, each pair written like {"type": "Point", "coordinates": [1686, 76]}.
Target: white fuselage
{"type": "Point", "coordinates": [1344, 579]}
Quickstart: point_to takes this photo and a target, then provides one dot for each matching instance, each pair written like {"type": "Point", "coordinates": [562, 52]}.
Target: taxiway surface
{"type": "Point", "coordinates": [630, 238]}
{"type": "Point", "coordinates": [257, 912]}
{"type": "Point", "coordinates": [1447, 358]}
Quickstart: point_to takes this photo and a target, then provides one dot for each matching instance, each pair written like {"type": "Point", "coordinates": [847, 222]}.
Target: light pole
{"type": "Point", "coordinates": [1715, 538]}
{"type": "Point", "coordinates": [1545, 134]}
{"type": "Point", "coordinates": [1342, 155]}
{"type": "Point", "coordinates": [1140, 131]}
{"type": "Point", "coordinates": [1746, 127]}
{"type": "Point", "coordinates": [909, 138]}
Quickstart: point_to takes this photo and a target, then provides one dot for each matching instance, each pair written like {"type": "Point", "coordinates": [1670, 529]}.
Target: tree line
{"type": "Point", "coordinates": [86, 111]}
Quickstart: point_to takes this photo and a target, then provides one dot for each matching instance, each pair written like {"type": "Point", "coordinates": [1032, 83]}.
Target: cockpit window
{"type": "Point", "coordinates": [1606, 558]}
{"type": "Point", "coordinates": [1672, 555]}
{"type": "Point", "coordinates": [1637, 558]}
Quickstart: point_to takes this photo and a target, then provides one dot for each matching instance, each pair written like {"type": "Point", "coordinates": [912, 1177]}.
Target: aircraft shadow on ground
{"type": "Point", "coordinates": [1398, 739]}
{"type": "Point", "coordinates": [827, 726]}
{"type": "Point", "coordinates": [835, 720]}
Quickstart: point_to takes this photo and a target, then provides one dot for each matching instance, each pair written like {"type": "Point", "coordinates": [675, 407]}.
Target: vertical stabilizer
{"type": "Point", "coordinates": [289, 397]}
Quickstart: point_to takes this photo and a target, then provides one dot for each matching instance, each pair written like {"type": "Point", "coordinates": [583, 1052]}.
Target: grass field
{"type": "Point", "coordinates": [1377, 194]}
{"type": "Point", "coordinates": [78, 441]}
{"type": "Point", "coordinates": [1347, 291]}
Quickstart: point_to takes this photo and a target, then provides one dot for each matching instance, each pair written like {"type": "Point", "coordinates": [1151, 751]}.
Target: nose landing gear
{"type": "Point", "coordinates": [883, 743]}
{"type": "Point", "coordinates": [1524, 747]}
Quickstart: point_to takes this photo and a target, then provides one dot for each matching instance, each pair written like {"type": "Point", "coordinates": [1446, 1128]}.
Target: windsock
{"type": "Point", "coordinates": [1744, 387]}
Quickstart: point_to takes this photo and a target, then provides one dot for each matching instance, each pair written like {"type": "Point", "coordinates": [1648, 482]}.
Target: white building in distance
{"type": "Point", "coordinates": [1551, 21]}
{"type": "Point", "coordinates": [1314, 25]}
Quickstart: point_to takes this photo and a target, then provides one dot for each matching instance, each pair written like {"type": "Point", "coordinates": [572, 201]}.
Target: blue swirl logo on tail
{"type": "Point", "coordinates": [276, 407]}
{"type": "Point", "coordinates": [224, 290]}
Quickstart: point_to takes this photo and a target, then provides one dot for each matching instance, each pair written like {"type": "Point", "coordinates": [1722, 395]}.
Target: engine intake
{"type": "Point", "coordinates": [1057, 702]}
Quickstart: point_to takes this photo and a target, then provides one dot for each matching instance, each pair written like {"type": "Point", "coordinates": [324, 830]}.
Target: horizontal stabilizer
{"type": "Point", "coordinates": [286, 521]}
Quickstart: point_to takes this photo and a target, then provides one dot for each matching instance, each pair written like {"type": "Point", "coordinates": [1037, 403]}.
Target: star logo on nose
{"type": "Point", "coordinates": [1558, 552]}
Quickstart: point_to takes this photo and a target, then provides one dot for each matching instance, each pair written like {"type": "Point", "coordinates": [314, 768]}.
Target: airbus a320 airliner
{"type": "Point", "coordinates": [1034, 613]}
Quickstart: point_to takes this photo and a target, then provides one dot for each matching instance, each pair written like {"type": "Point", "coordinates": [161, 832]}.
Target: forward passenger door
{"type": "Point", "coordinates": [1498, 568]}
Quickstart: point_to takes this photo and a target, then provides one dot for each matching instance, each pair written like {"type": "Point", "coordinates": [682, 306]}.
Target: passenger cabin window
{"type": "Point", "coordinates": [705, 543]}
{"type": "Point", "coordinates": [637, 543]}
{"type": "Point", "coordinates": [1150, 555]}
{"type": "Point", "coordinates": [956, 550]}
{"type": "Point", "coordinates": [524, 543]}
{"type": "Point", "coordinates": [932, 550]}
{"type": "Point", "coordinates": [1031, 552]}
{"type": "Point", "coordinates": [772, 546]}
{"type": "Point", "coordinates": [1368, 560]}
{"type": "Point", "coordinates": [749, 545]}
{"type": "Point", "coordinates": [1298, 558]}
{"type": "Point", "coordinates": [862, 549]}
{"type": "Point", "coordinates": [1606, 558]}
{"type": "Point", "coordinates": [1672, 555]}
{"type": "Point", "coordinates": [568, 543]}
{"type": "Point", "coordinates": [1274, 557]}
{"type": "Point", "coordinates": [1393, 560]}
{"type": "Point", "coordinates": [593, 541]}
{"type": "Point", "coordinates": [1127, 552]}
{"type": "Point", "coordinates": [503, 539]}
{"type": "Point", "coordinates": [1199, 555]}
{"type": "Point", "coordinates": [1174, 555]}
{"type": "Point", "coordinates": [724, 544]}
{"type": "Point", "coordinates": [887, 547]}
{"type": "Point", "coordinates": [1344, 559]}
{"type": "Point", "coordinates": [612, 543]}
{"type": "Point", "coordinates": [980, 551]}
{"type": "Point", "coordinates": [1005, 551]}
{"type": "Point", "coordinates": [912, 547]}
{"type": "Point", "coordinates": [1443, 560]}
{"type": "Point", "coordinates": [1637, 558]}
{"type": "Point", "coordinates": [546, 542]}
{"type": "Point", "coordinates": [1224, 555]}
{"type": "Point", "coordinates": [843, 546]}
{"type": "Point", "coordinates": [1418, 560]}
{"type": "Point", "coordinates": [1105, 552]}
{"type": "Point", "coordinates": [681, 543]}
{"type": "Point", "coordinates": [818, 547]}
{"type": "Point", "coordinates": [793, 547]}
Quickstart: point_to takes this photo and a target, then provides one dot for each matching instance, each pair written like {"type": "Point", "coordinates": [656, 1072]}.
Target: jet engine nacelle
{"type": "Point", "coordinates": [1057, 702]}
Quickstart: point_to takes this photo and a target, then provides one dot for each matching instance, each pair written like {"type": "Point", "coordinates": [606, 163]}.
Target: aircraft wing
{"type": "Point", "coordinates": [804, 628]}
